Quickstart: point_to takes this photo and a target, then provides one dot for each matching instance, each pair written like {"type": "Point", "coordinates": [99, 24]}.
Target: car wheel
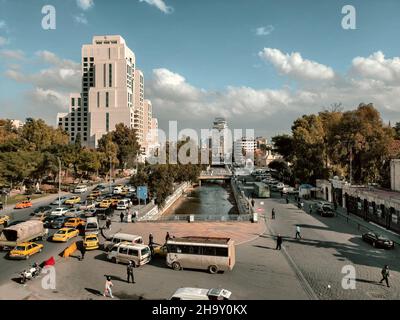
{"type": "Point", "coordinates": [212, 269]}
{"type": "Point", "coordinates": [176, 266]}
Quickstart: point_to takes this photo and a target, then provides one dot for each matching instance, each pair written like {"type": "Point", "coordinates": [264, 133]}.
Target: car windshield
{"type": "Point", "coordinates": [61, 232]}
{"type": "Point", "coordinates": [145, 251]}
{"type": "Point", "coordinates": [91, 238]}
{"type": "Point", "coordinates": [20, 248]}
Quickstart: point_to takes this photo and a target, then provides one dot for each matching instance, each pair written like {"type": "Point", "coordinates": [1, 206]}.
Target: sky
{"type": "Point", "coordinates": [258, 63]}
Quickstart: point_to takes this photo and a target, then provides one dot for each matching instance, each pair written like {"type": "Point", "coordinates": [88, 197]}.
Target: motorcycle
{"type": "Point", "coordinates": [30, 273]}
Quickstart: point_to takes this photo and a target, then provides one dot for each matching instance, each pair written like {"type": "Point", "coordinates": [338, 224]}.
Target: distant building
{"type": "Point", "coordinates": [244, 148]}
{"type": "Point", "coordinates": [395, 175]}
{"type": "Point", "coordinates": [17, 124]}
{"type": "Point", "coordinates": [221, 142]}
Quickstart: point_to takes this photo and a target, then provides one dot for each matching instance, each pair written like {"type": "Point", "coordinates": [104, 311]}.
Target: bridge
{"type": "Point", "coordinates": [215, 173]}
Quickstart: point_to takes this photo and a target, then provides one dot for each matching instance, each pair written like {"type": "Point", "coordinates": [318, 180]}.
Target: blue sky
{"type": "Point", "coordinates": [214, 46]}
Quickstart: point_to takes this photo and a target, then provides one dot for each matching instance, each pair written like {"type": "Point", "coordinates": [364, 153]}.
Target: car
{"type": "Point", "coordinates": [23, 204]}
{"type": "Point", "coordinates": [59, 203]}
{"type": "Point", "coordinates": [131, 188]}
{"type": "Point", "coordinates": [74, 212]}
{"type": "Point", "coordinates": [59, 211]}
{"type": "Point", "coordinates": [74, 223]}
{"type": "Point", "coordinates": [91, 242]}
{"type": "Point", "coordinates": [4, 220]}
{"type": "Point", "coordinates": [58, 222]}
{"type": "Point", "coordinates": [48, 221]}
{"type": "Point", "coordinates": [64, 234]}
{"type": "Point", "coordinates": [40, 210]}
{"type": "Point", "coordinates": [124, 204]}
{"type": "Point", "coordinates": [87, 205]}
{"type": "Point", "coordinates": [80, 189]}
{"type": "Point", "coordinates": [105, 203]}
{"type": "Point", "coordinates": [72, 200]}
{"type": "Point", "coordinates": [326, 210]}
{"type": "Point", "coordinates": [201, 294]}
{"type": "Point", "coordinates": [25, 250]}
{"type": "Point", "coordinates": [377, 240]}
{"type": "Point", "coordinates": [117, 189]}
{"type": "Point", "coordinates": [160, 250]}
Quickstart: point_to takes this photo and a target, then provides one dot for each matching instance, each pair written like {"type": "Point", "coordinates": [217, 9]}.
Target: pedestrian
{"type": "Point", "coordinates": [311, 208]}
{"type": "Point", "coordinates": [150, 239]}
{"type": "Point", "coordinates": [129, 271]}
{"type": "Point", "coordinates": [1, 205]}
{"type": "Point", "coordinates": [108, 223]}
{"type": "Point", "coordinates": [83, 251]}
{"type": "Point", "coordinates": [135, 215]}
{"type": "Point", "coordinates": [287, 200]}
{"type": "Point", "coordinates": [167, 237]}
{"type": "Point", "coordinates": [298, 232]}
{"type": "Point", "coordinates": [273, 213]}
{"type": "Point", "coordinates": [121, 216]}
{"type": "Point", "coordinates": [252, 203]}
{"type": "Point", "coordinates": [335, 205]}
{"type": "Point", "coordinates": [385, 275]}
{"type": "Point", "coordinates": [108, 286]}
{"type": "Point", "coordinates": [278, 242]}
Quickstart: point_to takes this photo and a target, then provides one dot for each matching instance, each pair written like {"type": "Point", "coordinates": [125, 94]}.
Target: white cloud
{"type": "Point", "coordinates": [85, 4]}
{"type": "Point", "coordinates": [13, 54]}
{"type": "Point", "coordinates": [160, 4]}
{"type": "Point", "coordinates": [295, 66]}
{"type": "Point", "coordinates": [378, 68]}
{"type": "Point", "coordinates": [3, 24]}
{"type": "Point", "coordinates": [80, 18]}
{"type": "Point", "coordinates": [3, 41]}
{"type": "Point", "coordinates": [265, 31]}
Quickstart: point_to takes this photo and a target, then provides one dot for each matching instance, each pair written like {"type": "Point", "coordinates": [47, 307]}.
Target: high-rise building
{"type": "Point", "coordinates": [244, 148]}
{"type": "Point", "coordinates": [221, 142]}
{"type": "Point", "coordinates": [112, 92]}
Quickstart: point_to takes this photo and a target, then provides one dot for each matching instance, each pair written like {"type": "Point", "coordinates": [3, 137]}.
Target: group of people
{"type": "Point", "coordinates": [129, 217]}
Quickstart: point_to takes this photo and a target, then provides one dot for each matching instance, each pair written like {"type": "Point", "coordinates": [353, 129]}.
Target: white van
{"type": "Point", "coordinates": [118, 190]}
{"type": "Point", "coordinates": [122, 237]}
{"type": "Point", "coordinates": [92, 226]}
{"type": "Point", "coordinates": [201, 294]}
{"type": "Point", "coordinates": [124, 204]}
{"type": "Point", "coordinates": [139, 254]}
{"type": "Point", "coordinates": [80, 189]}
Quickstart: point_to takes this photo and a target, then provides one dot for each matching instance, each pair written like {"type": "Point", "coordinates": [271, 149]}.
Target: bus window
{"type": "Point", "coordinates": [209, 251]}
{"type": "Point", "coordinates": [221, 252]}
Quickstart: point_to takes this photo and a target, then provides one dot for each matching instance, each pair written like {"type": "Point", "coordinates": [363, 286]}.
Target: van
{"type": "Point", "coordinates": [122, 237]}
{"type": "Point", "coordinates": [92, 226]}
{"type": "Point", "coordinates": [123, 204]}
{"type": "Point", "coordinates": [139, 254]}
{"type": "Point", "coordinates": [118, 190]}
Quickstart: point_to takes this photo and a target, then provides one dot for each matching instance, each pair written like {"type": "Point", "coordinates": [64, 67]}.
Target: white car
{"type": "Point", "coordinates": [58, 212]}
{"type": "Point", "coordinates": [62, 200]}
{"type": "Point", "coordinates": [118, 190]}
{"type": "Point", "coordinates": [80, 189]}
{"type": "Point", "coordinates": [73, 212]}
{"type": "Point", "coordinates": [201, 294]}
{"type": "Point", "coordinates": [124, 204]}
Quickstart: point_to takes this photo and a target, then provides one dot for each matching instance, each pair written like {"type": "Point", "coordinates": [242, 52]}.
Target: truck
{"type": "Point", "coordinates": [261, 190]}
{"type": "Point", "coordinates": [22, 232]}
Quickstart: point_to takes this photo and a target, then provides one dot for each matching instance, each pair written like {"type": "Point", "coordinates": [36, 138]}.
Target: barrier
{"type": "Point", "coordinates": [70, 250]}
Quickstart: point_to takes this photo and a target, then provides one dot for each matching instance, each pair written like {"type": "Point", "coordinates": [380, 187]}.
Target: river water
{"type": "Point", "coordinates": [209, 199]}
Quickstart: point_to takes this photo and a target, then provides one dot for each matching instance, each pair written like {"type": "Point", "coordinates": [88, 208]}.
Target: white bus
{"type": "Point", "coordinates": [206, 253]}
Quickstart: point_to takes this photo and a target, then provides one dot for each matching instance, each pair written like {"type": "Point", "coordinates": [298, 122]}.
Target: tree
{"type": "Point", "coordinates": [283, 145]}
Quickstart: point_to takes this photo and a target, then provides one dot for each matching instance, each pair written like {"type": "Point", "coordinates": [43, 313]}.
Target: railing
{"type": "Point", "coordinates": [202, 217]}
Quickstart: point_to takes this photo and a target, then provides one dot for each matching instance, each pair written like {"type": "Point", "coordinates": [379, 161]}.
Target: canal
{"type": "Point", "coordinates": [212, 198]}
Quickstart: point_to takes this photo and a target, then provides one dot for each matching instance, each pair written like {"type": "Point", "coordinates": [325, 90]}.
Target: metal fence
{"type": "Point", "coordinates": [203, 217]}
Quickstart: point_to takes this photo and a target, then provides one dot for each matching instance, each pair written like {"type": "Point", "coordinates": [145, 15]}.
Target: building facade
{"type": "Point", "coordinates": [221, 142]}
{"type": "Point", "coordinates": [112, 93]}
{"type": "Point", "coordinates": [244, 148]}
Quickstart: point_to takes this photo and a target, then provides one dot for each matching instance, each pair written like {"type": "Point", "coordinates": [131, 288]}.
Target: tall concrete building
{"type": "Point", "coordinates": [221, 142]}
{"type": "Point", "coordinates": [244, 148]}
{"type": "Point", "coordinates": [112, 92]}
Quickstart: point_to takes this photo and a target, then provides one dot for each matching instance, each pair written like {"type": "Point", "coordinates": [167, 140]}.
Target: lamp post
{"type": "Point", "coordinates": [110, 175]}
{"type": "Point", "coordinates": [59, 181]}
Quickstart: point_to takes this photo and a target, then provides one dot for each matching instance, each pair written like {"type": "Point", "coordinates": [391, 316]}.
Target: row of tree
{"type": "Point", "coordinates": [32, 153]}
{"type": "Point", "coordinates": [355, 145]}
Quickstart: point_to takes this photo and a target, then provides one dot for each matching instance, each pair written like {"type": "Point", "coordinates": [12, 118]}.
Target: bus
{"type": "Point", "coordinates": [261, 190]}
{"type": "Point", "coordinates": [205, 253]}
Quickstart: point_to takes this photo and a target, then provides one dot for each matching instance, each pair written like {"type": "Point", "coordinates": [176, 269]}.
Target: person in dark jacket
{"type": "Point", "coordinates": [129, 272]}
{"type": "Point", "coordinates": [167, 237]}
{"type": "Point", "coordinates": [279, 241]}
{"type": "Point", "coordinates": [273, 213]}
{"type": "Point", "coordinates": [385, 275]}
{"type": "Point", "coordinates": [121, 216]}
{"type": "Point", "coordinates": [83, 251]}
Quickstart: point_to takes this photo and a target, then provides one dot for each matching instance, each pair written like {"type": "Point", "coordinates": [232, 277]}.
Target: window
{"type": "Point", "coordinates": [104, 75]}
{"type": "Point", "coordinates": [110, 75]}
{"type": "Point", "coordinates": [107, 122]}
{"type": "Point", "coordinates": [85, 59]}
{"type": "Point", "coordinates": [123, 250]}
{"type": "Point", "coordinates": [98, 99]}
{"type": "Point", "coordinates": [133, 252]}
{"type": "Point", "coordinates": [73, 102]}
{"type": "Point", "coordinates": [107, 99]}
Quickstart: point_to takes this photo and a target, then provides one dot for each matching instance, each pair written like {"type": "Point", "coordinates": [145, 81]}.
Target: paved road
{"type": "Point", "coordinates": [10, 268]}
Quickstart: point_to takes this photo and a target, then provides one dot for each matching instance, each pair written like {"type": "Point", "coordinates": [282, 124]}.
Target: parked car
{"type": "Point", "coordinates": [25, 250]}
{"type": "Point", "coordinates": [40, 210]}
{"type": "Point", "coordinates": [91, 242]}
{"type": "Point", "coordinates": [48, 221]}
{"type": "Point", "coordinates": [377, 240]}
{"type": "Point", "coordinates": [64, 234]}
{"type": "Point", "coordinates": [124, 204]}
{"type": "Point", "coordinates": [80, 189]}
{"type": "Point", "coordinates": [201, 294]}
{"type": "Point", "coordinates": [326, 211]}
{"type": "Point", "coordinates": [59, 211]}
{"type": "Point", "coordinates": [23, 204]}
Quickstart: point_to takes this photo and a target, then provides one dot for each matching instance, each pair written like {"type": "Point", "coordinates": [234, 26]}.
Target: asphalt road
{"type": "Point", "coordinates": [10, 269]}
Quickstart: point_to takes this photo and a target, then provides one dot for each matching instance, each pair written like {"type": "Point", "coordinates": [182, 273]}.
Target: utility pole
{"type": "Point", "coordinates": [59, 181]}
{"type": "Point", "coordinates": [110, 175]}
{"type": "Point", "coordinates": [351, 165]}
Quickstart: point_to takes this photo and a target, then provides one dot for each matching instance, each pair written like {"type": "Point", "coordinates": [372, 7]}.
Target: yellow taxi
{"type": "Point", "coordinates": [64, 234]}
{"type": "Point", "coordinates": [160, 251]}
{"type": "Point", "coordinates": [23, 204]}
{"type": "Point", "coordinates": [25, 250]}
{"type": "Point", "coordinates": [73, 200]}
{"type": "Point", "coordinates": [114, 201]}
{"type": "Point", "coordinates": [74, 223]}
{"type": "Point", "coordinates": [105, 203]}
{"type": "Point", "coordinates": [95, 193]}
{"type": "Point", "coordinates": [4, 219]}
{"type": "Point", "coordinates": [91, 242]}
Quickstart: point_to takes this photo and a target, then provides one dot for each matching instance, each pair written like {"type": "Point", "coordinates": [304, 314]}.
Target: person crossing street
{"type": "Point", "coordinates": [298, 235]}
{"type": "Point", "coordinates": [279, 241]}
{"type": "Point", "coordinates": [129, 272]}
{"type": "Point", "coordinates": [385, 275]}
{"type": "Point", "coordinates": [273, 214]}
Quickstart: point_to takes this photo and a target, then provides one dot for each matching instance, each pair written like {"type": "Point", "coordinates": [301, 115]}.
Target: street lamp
{"type": "Point", "coordinates": [59, 181]}
{"type": "Point", "coordinates": [110, 174]}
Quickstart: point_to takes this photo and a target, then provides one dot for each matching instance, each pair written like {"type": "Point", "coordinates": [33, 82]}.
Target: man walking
{"type": "Point", "coordinates": [151, 244]}
{"type": "Point", "coordinates": [167, 237]}
{"type": "Point", "coordinates": [121, 216]}
{"type": "Point", "coordinates": [107, 289]}
{"type": "Point", "coordinates": [278, 242]}
{"type": "Point", "coordinates": [311, 208]}
{"type": "Point", "coordinates": [385, 275]}
{"type": "Point", "coordinates": [273, 214]}
{"type": "Point", "coordinates": [83, 251]}
{"type": "Point", "coordinates": [129, 271]}
{"type": "Point", "coordinates": [298, 235]}
{"type": "Point", "coordinates": [252, 203]}
{"type": "Point", "coordinates": [108, 223]}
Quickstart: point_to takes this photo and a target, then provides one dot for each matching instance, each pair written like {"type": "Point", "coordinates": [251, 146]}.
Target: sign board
{"type": "Point", "coordinates": [142, 192]}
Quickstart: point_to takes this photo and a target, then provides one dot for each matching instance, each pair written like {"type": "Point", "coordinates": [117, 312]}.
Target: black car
{"type": "Point", "coordinates": [377, 240]}
{"type": "Point", "coordinates": [42, 209]}
{"type": "Point", "coordinates": [58, 222]}
{"type": "Point", "coordinates": [48, 220]}
{"type": "Point", "coordinates": [326, 211]}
